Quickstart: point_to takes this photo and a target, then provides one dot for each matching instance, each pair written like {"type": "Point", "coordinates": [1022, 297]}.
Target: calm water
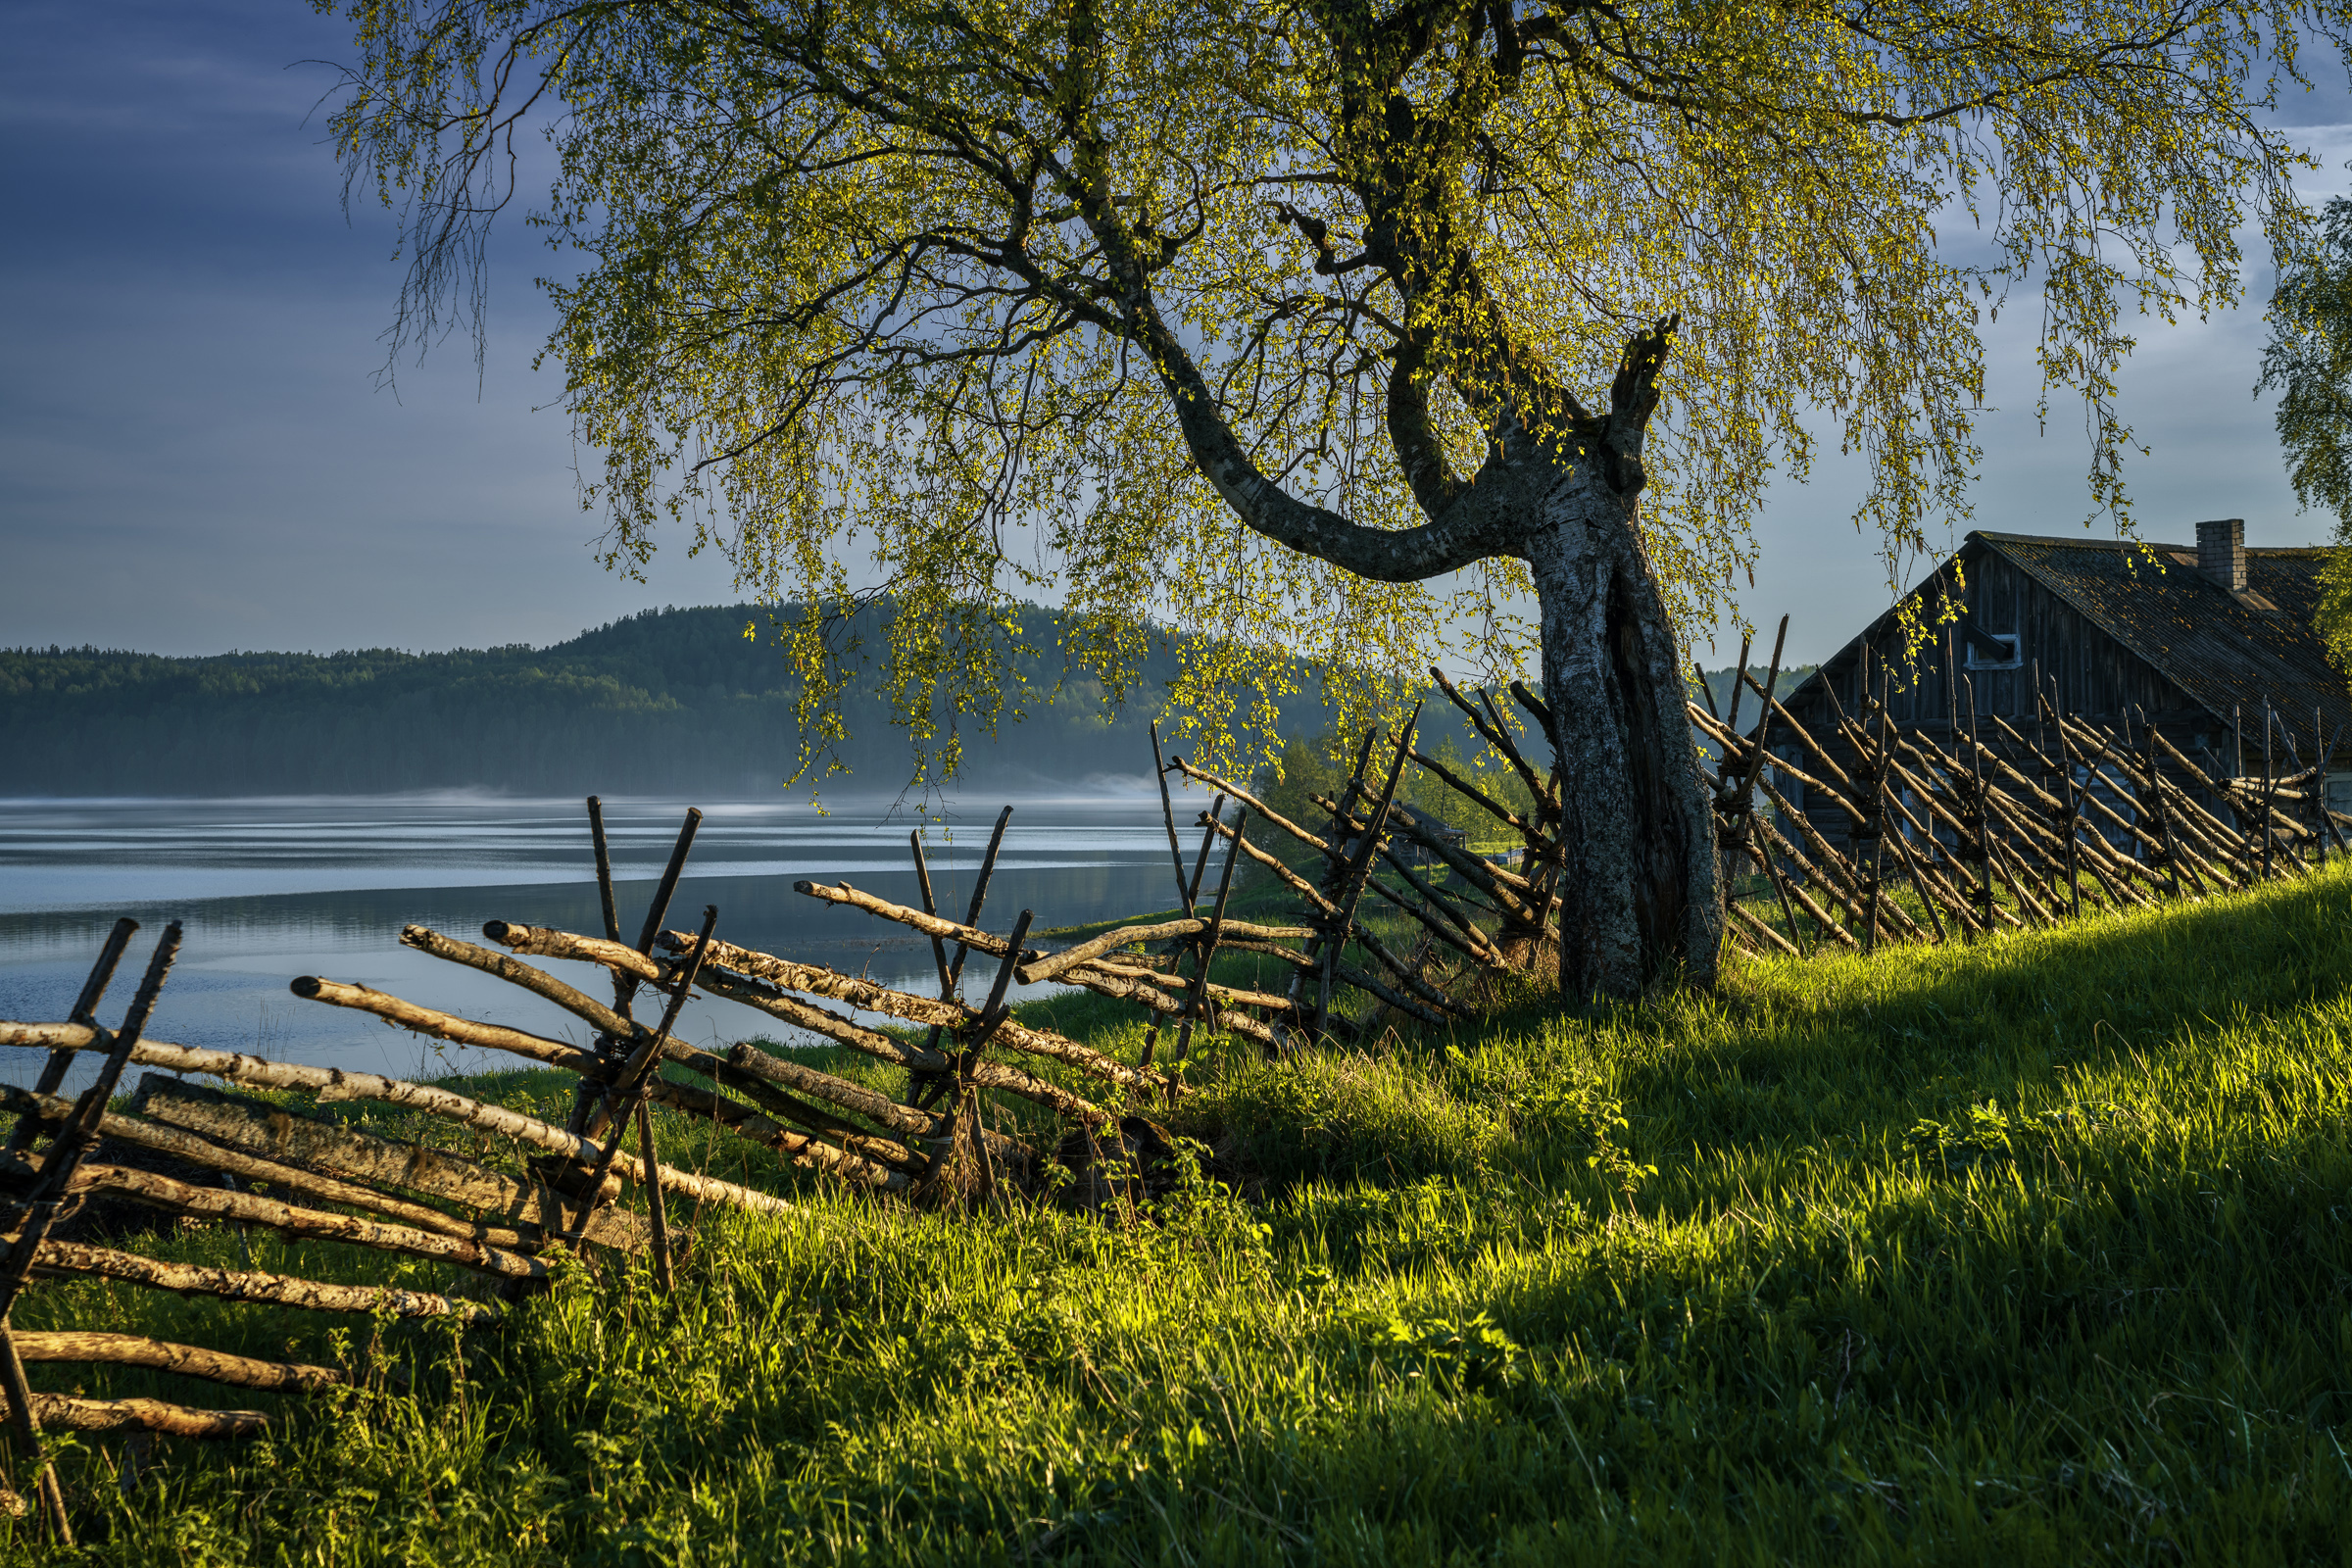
{"type": "Point", "coordinates": [269, 890]}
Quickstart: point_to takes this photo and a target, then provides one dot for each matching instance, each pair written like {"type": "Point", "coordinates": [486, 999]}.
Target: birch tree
{"type": "Point", "coordinates": [1349, 328]}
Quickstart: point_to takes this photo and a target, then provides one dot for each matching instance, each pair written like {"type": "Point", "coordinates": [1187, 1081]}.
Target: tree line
{"type": "Point", "coordinates": [668, 701]}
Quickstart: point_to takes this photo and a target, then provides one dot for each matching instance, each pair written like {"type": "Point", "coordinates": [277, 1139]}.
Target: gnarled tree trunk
{"type": "Point", "coordinates": [1639, 896]}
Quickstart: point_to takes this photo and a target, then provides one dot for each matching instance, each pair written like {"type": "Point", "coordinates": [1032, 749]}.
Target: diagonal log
{"type": "Point", "coordinates": [63, 1412]}
{"type": "Point", "coordinates": [1439, 930]}
{"type": "Point", "coordinates": [1314, 841]}
{"type": "Point", "coordinates": [553, 1052]}
{"type": "Point", "coordinates": [1828, 870]}
{"type": "Point", "coordinates": [1757, 928]}
{"type": "Point", "coordinates": [1485, 950]}
{"type": "Point", "coordinates": [447, 1026]}
{"type": "Point", "coordinates": [1493, 732]}
{"type": "Point", "coordinates": [333, 1083]}
{"type": "Point", "coordinates": [89, 1348]}
{"type": "Point", "coordinates": [308, 1224]}
{"type": "Point", "coordinates": [1307, 891]}
{"type": "Point", "coordinates": [876, 1107]}
{"type": "Point", "coordinates": [1037, 966]}
{"type": "Point", "coordinates": [572, 1000]}
{"type": "Point", "coordinates": [1516, 897]}
{"type": "Point", "coordinates": [1736, 748]}
{"type": "Point", "coordinates": [1777, 843]}
{"type": "Point", "coordinates": [848, 1032]}
{"type": "Point", "coordinates": [184, 1145]}
{"type": "Point", "coordinates": [1165, 981]}
{"type": "Point", "coordinates": [1481, 799]}
{"type": "Point", "coordinates": [281, 1134]}
{"type": "Point", "coordinates": [800, 1148]}
{"type": "Point", "coordinates": [546, 942]}
{"type": "Point", "coordinates": [1804, 738]}
{"type": "Point", "coordinates": [275, 1290]}
{"type": "Point", "coordinates": [819, 981]}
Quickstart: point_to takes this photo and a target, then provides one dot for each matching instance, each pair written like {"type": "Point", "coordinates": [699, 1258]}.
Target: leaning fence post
{"type": "Point", "coordinates": [627, 1093]}
{"type": "Point", "coordinates": [93, 987]}
{"type": "Point", "coordinates": [1980, 827]}
{"type": "Point", "coordinates": [2318, 783]}
{"type": "Point", "coordinates": [1875, 816]}
{"type": "Point", "coordinates": [1350, 887]}
{"type": "Point", "coordinates": [2267, 829]}
{"type": "Point", "coordinates": [1192, 895]}
{"type": "Point", "coordinates": [1167, 813]}
{"type": "Point", "coordinates": [923, 1091]}
{"type": "Point", "coordinates": [1197, 1004]}
{"type": "Point", "coordinates": [39, 1211]}
{"type": "Point", "coordinates": [2164, 821]}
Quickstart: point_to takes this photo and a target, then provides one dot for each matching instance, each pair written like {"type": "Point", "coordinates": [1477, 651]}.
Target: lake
{"type": "Point", "coordinates": [271, 889]}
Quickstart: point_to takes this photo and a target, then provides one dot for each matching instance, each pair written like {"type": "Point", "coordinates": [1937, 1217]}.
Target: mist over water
{"type": "Point", "coordinates": [271, 889]}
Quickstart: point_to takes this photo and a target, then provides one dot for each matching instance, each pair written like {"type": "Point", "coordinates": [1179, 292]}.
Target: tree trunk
{"type": "Point", "coordinates": [1639, 894]}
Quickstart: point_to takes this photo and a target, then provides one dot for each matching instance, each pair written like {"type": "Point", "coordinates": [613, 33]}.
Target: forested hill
{"type": "Point", "coordinates": [671, 700]}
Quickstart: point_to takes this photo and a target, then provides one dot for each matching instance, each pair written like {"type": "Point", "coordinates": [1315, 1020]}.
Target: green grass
{"type": "Point", "coordinates": [2039, 1249]}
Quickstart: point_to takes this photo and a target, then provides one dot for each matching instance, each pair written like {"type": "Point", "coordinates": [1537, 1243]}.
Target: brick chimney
{"type": "Point", "coordinates": [2222, 552]}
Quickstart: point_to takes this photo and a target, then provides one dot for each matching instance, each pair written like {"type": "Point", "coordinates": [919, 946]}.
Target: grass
{"type": "Point", "coordinates": [2037, 1249]}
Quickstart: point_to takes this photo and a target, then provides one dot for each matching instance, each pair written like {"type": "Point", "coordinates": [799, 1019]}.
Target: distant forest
{"type": "Point", "coordinates": [663, 701]}
{"type": "Point", "coordinates": [655, 703]}
{"type": "Point", "coordinates": [658, 703]}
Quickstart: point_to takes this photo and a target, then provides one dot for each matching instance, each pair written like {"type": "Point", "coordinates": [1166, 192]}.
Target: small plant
{"type": "Point", "coordinates": [1983, 1133]}
{"type": "Point", "coordinates": [1594, 1121]}
{"type": "Point", "coordinates": [1467, 1356]}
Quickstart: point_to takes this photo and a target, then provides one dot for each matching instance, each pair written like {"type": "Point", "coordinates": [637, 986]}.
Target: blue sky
{"type": "Point", "coordinates": [196, 455]}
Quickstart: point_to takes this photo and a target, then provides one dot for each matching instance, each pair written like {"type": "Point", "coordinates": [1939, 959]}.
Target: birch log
{"type": "Point", "coordinates": [183, 1360]}
{"type": "Point", "coordinates": [275, 1290]}
{"type": "Point", "coordinates": [284, 1135]}
{"type": "Point", "coordinates": [333, 1083]}
{"type": "Point", "coordinates": [183, 1145]}
{"type": "Point", "coordinates": [57, 1411]}
{"type": "Point", "coordinates": [305, 1224]}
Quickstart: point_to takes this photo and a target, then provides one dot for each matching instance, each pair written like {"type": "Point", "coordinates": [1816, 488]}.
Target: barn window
{"type": "Point", "coordinates": [2339, 794]}
{"type": "Point", "coordinates": [1983, 654]}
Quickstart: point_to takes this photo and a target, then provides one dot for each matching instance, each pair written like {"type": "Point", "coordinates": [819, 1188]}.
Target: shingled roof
{"type": "Point", "coordinates": [2222, 650]}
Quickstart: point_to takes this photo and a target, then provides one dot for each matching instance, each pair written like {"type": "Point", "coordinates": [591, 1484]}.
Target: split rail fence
{"type": "Point", "coordinates": [1945, 839]}
{"type": "Point", "coordinates": [1948, 838]}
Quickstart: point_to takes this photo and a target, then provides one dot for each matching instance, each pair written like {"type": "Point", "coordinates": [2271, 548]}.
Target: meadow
{"type": "Point", "coordinates": [2040, 1249]}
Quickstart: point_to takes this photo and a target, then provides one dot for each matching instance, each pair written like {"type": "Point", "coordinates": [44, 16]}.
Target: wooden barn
{"type": "Point", "coordinates": [2203, 642]}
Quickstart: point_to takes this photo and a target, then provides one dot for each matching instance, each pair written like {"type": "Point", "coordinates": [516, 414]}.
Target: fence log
{"type": "Point", "coordinates": [800, 1148]}
{"type": "Point", "coordinates": [80, 1347]}
{"type": "Point", "coordinates": [281, 1134]}
{"type": "Point", "coordinates": [276, 1290]}
{"type": "Point", "coordinates": [184, 1145]}
{"type": "Point", "coordinates": [1012, 1080]}
{"type": "Point", "coordinates": [333, 1083]}
{"type": "Point", "coordinates": [447, 1026]}
{"type": "Point", "coordinates": [59, 1411]}
{"type": "Point", "coordinates": [818, 980]}
{"type": "Point", "coordinates": [308, 1224]}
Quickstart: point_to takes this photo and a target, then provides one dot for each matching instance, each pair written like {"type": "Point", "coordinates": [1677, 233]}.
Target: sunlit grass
{"type": "Point", "coordinates": [2041, 1248]}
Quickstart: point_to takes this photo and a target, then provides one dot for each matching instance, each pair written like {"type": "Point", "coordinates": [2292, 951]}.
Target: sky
{"type": "Point", "coordinates": [198, 451]}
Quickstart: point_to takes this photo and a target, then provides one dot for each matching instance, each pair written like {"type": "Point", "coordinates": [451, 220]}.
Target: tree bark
{"type": "Point", "coordinates": [1641, 899]}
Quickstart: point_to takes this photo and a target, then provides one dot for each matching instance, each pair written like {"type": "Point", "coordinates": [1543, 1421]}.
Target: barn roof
{"type": "Point", "coordinates": [2222, 650]}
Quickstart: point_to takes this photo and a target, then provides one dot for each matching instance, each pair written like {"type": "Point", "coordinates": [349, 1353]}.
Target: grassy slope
{"type": "Point", "coordinates": [2037, 1249]}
